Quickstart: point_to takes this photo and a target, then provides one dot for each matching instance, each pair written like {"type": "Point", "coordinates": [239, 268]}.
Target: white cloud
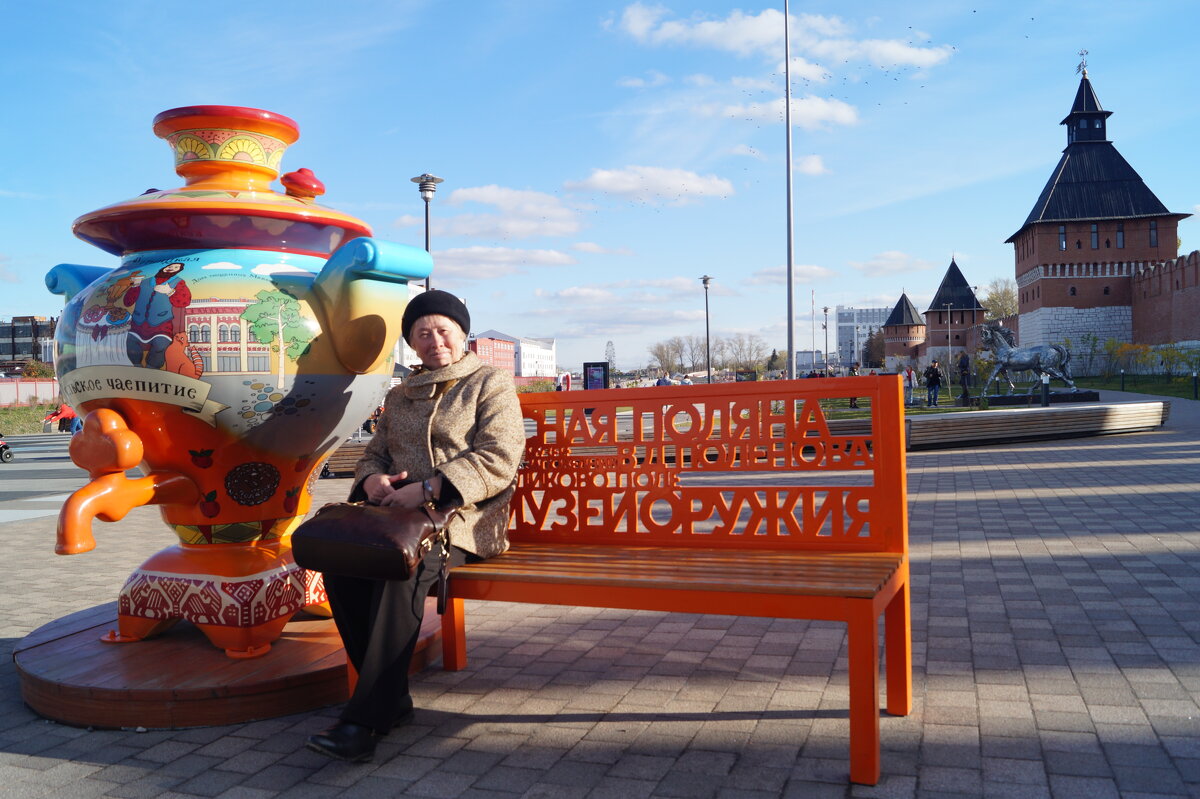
{"type": "Point", "coordinates": [638, 20]}
{"type": "Point", "coordinates": [803, 69]}
{"type": "Point", "coordinates": [654, 184]}
{"type": "Point", "coordinates": [747, 150]}
{"type": "Point", "coordinates": [653, 78]}
{"type": "Point", "coordinates": [739, 33]}
{"type": "Point", "coordinates": [480, 263]}
{"type": "Point", "coordinates": [801, 273]}
{"type": "Point", "coordinates": [769, 84]}
{"type": "Point", "coordinates": [672, 285]}
{"type": "Point", "coordinates": [745, 34]}
{"type": "Point", "coordinates": [810, 165]}
{"type": "Point", "coordinates": [647, 307]}
{"type": "Point", "coordinates": [278, 269]}
{"type": "Point", "coordinates": [579, 294]}
{"type": "Point", "coordinates": [522, 214]}
{"type": "Point", "coordinates": [891, 262]}
{"type": "Point", "coordinates": [598, 249]}
{"type": "Point", "coordinates": [223, 265]}
{"type": "Point", "coordinates": [21, 195]}
{"type": "Point", "coordinates": [881, 52]}
{"type": "Point", "coordinates": [808, 112]}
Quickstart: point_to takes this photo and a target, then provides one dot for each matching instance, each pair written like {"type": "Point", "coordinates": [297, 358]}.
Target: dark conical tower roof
{"type": "Point", "coordinates": [955, 292]}
{"type": "Point", "coordinates": [1092, 180]}
{"type": "Point", "coordinates": [1086, 103]}
{"type": "Point", "coordinates": [905, 313]}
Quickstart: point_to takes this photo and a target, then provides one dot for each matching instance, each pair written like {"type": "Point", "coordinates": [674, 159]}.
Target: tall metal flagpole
{"type": "Point", "coordinates": [787, 123]}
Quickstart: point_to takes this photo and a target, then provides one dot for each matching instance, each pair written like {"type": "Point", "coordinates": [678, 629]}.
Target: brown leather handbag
{"type": "Point", "coordinates": [375, 542]}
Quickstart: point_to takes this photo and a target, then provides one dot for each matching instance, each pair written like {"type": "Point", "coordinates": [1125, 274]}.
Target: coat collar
{"type": "Point", "coordinates": [424, 384]}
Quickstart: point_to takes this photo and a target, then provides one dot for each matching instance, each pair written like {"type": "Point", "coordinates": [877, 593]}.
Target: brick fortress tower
{"type": "Point", "coordinates": [903, 335]}
{"type": "Point", "coordinates": [1095, 226]}
{"type": "Point", "coordinates": [953, 318]}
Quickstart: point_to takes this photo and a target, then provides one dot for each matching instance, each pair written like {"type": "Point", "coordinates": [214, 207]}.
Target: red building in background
{"type": "Point", "coordinates": [495, 352]}
{"type": "Point", "coordinates": [1097, 255]}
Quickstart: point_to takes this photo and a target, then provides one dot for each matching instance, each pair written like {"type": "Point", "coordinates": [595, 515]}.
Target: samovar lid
{"type": "Point", "coordinates": [228, 155]}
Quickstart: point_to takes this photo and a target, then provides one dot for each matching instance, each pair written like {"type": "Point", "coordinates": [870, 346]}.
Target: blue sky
{"type": "Point", "coordinates": [599, 157]}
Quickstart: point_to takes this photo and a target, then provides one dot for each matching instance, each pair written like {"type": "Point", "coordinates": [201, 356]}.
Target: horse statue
{"type": "Point", "coordinates": [1051, 359]}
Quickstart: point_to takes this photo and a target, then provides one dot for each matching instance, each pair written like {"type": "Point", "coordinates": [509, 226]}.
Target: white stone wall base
{"type": "Point", "coordinates": [1056, 325]}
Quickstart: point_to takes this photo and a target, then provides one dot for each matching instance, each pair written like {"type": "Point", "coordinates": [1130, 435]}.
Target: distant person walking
{"type": "Point", "coordinates": [910, 383]}
{"type": "Point", "coordinates": [853, 373]}
{"type": "Point", "coordinates": [933, 383]}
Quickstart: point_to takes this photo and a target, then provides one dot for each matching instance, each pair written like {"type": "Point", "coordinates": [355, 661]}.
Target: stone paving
{"type": "Point", "coordinates": [1056, 638]}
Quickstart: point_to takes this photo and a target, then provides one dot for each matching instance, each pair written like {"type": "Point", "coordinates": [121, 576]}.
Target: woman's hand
{"type": "Point", "coordinates": [408, 496]}
{"type": "Point", "coordinates": [378, 487]}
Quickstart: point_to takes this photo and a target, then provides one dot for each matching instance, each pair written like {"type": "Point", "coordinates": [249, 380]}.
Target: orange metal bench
{"type": "Point", "coordinates": [731, 499]}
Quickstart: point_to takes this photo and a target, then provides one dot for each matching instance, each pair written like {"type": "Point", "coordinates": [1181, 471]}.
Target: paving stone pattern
{"type": "Point", "coordinates": [1056, 638]}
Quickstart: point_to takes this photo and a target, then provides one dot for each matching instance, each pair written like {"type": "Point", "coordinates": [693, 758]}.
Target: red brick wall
{"type": "Point", "coordinates": [902, 340]}
{"type": "Point", "coordinates": [1166, 297]}
{"type": "Point", "coordinates": [1038, 246]}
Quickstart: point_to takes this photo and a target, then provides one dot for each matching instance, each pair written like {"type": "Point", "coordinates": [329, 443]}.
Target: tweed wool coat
{"type": "Point", "coordinates": [463, 421]}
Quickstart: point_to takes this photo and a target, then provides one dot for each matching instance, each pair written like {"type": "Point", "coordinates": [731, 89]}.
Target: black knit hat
{"type": "Point", "coordinates": [435, 301]}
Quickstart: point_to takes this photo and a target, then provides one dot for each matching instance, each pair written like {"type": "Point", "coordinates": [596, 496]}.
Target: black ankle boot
{"type": "Point", "coordinates": [345, 741]}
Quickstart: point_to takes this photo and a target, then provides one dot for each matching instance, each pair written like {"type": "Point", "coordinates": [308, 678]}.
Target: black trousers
{"type": "Point", "coordinates": [379, 621]}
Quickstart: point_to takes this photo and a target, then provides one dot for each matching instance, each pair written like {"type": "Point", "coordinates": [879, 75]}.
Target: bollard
{"type": "Point", "coordinates": [1122, 379]}
{"type": "Point", "coordinates": [1045, 391]}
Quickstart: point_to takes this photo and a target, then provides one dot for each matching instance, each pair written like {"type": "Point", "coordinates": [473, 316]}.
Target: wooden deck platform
{"type": "Point", "coordinates": [1008, 425]}
{"type": "Point", "coordinates": [181, 680]}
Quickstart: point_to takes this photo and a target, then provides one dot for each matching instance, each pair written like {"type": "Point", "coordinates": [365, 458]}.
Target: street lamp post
{"type": "Point", "coordinates": [825, 327]}
{"type": "Point", "coordinates": [787, 124]}
{"type": "Point", "coordinates": [705, 279]}
{"type": "Point", "coordinates": [427, 185]}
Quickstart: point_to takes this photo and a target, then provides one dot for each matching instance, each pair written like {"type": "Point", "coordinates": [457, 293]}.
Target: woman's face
{"type": "Point", "coordinates": [437, 340]}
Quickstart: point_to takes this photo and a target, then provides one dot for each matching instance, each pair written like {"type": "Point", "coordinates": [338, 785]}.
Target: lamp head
{"type": "Point", "coordinates": [427, 185]}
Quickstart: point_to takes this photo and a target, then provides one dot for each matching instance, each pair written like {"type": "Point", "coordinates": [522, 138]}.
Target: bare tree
{"type": "Point", "coordinates": [747, 350]}
{"type": "Point", "coordinates": [668, 355]}
{"type": "Point", "coordinates": [1000, 298]}
{"type": "Point", "coordinates": [720, 354]}
{"type": "Point", "coordinates": [662, 356]}
{"type": "Point", "coordinates": [693, 353]}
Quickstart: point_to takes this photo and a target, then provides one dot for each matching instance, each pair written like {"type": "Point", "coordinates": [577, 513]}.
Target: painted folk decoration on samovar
{"type": "Point", "coordinates": [243, 336]}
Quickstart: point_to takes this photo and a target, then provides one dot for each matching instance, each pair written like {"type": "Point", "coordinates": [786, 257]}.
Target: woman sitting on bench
{"type": "Point", "coordinates": [452, 433]}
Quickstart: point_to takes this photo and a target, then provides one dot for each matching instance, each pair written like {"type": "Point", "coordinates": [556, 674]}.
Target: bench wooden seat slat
{"type": "Point", "coordinates": [841, 574]}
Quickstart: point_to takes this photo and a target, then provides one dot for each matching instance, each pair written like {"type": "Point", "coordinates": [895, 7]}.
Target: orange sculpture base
{"type": "Point", "coordinates": [239, 595]}
{"type": "Point", "coordinates": [179, 680]}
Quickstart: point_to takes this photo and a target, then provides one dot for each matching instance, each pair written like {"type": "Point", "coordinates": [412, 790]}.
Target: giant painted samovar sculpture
{"type": "Point", "coordinates": [245, 334]}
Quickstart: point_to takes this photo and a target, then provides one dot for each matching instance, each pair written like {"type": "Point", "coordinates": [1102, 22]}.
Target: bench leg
{"type": "Point", "coordinates": [864, 697]}
{"type": "Point", "coordinates": [898, 653]}
{"type": "Point", "coordinates": [454, 636]}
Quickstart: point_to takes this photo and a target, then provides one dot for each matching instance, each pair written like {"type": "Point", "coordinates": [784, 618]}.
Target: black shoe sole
{"type": "Point", "coordinates": [364, 757]}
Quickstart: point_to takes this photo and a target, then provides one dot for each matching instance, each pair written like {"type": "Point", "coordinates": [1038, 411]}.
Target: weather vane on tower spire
{"type": "Point", "coordinates": [1082, 68]}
